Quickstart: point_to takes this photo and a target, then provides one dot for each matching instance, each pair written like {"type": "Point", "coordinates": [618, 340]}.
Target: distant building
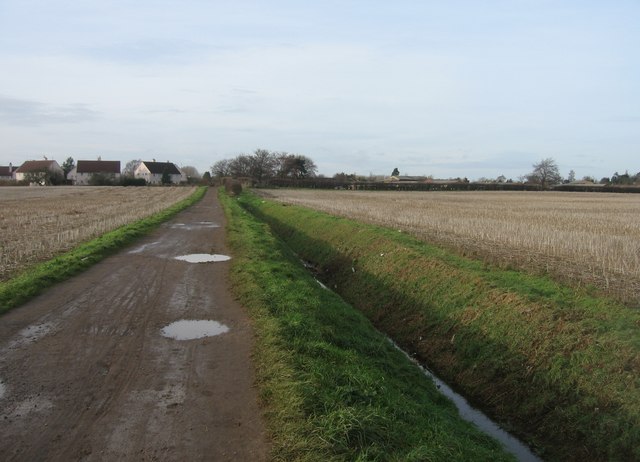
{"type": "Point", "coordinates": [152, 172]}
{"type": "Point", "coordinates": [40, 172]}
{"type": "Point", "coordinates": [8, 173]}
{"type": "Point", "coordinates": [85, 170]}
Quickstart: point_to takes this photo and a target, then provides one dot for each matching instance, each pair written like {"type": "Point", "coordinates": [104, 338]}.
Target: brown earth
{"type": "Point", "coordinates": [86, 374]}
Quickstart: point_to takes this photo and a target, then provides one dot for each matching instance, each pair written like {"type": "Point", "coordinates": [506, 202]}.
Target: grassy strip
{"type": "Point", "coordinates": [334, 388]}
{"type": "Point", "coordinates": [559, 367]}
{"type": "Point", "coordinates": [33, 281]}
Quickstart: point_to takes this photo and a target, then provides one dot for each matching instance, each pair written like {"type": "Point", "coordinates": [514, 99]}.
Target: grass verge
{"type": "Point", "coordinates": [557, 366]}
{"type": "Point", "coordinates": [33, 281]}
{"type": "Point", "coordinates": [334, 388]}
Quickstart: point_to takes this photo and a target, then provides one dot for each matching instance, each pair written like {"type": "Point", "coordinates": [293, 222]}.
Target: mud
{"type": "Point", "coordinates": [86, 374]}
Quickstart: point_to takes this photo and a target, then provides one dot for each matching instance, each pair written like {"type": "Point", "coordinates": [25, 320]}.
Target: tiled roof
{"type": "Point", "coordinates": [98, 166]}
{"type": "Point", "coordinates": [158, 168]}
{"type": "Point", "coordinates": [7, 170]}
{"type": "Point", "coordinates": [35, 166]}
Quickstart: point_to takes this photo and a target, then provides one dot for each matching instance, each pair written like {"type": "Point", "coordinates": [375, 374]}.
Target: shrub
{"type": "Point", "coordinates": [233, 187]}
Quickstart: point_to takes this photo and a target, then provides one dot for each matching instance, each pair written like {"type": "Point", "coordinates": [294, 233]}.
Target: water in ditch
{"type": "Point", "coordinates": [466, 411]}
{"type": "Point", "coordinates": [470, 414]}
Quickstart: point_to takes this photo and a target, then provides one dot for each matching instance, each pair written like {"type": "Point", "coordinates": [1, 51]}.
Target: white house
{"type": "Point", "coordinates": [108, 171]}
{"type": "Point", "coordinates": [40, 171]}
{"type": "Point", "coordinates": [152, 172]}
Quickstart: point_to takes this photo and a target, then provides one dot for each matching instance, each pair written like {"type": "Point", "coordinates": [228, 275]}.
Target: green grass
{"type": "Point", "coordinates": [33, 281]}
{"type": "Point", "coordinates": [335, 389]}
{"type": "Point", "coordinates": [557, 366]}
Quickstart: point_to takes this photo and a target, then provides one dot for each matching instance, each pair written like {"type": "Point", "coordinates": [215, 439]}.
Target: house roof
{"type": "Point", "coordinates": [98, 166]}
{"type": "Point", "coordinates": [158, 168]}
{"type": "Point", "coordinates": [7, 170]}
{"type": "Point", "coordinates": [35, 166]}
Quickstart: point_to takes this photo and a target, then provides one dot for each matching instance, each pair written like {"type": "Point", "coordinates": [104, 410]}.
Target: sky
{"type": "Point", "coordinates": [455, 88]}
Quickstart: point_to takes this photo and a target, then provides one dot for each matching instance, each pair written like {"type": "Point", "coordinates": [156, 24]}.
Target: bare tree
{"type": "Point", "coordinates": [545, 173]}
{"type": "Point", "coordinates": [131, 167]}
{"type": "Point", "coordinates": [295, 166]}
{"type": "Point", "coordinates": [263, 164]}
{"type": "Point", "coordinates": [221, 168]}
{"type": "Point", "coordinates": [241, 166]}
{"type": "Point", "coordinates": [191, 172]}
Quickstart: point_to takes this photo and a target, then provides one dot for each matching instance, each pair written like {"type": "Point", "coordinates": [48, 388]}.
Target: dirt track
{"type": "Point", "coordinates": [87, 375]}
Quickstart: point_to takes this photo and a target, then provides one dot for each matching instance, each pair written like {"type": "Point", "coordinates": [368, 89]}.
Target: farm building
{"type": "Point", "coordinates": [42, 172]}
{"type": "Point", "coordinates": [95, 172]}
{"type": "Point", "coordinates": [7, 173]}
{"type": "Point", "coordinates": [152, 172]}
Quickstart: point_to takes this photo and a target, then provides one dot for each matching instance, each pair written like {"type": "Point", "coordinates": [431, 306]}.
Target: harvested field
{"type": "Point", "coordinates": [580, 238]}
{"type": "Point", "coordinates": [38, 223]}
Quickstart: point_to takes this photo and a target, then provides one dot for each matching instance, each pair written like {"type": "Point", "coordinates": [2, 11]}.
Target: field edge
{"type": "Point", "coordinates": [554, 364]}
{"type": "Point", "coordinates": [32, 281]}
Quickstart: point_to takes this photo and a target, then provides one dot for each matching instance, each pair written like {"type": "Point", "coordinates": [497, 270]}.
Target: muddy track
{"type": "Point", "coordinates": [87, 375]}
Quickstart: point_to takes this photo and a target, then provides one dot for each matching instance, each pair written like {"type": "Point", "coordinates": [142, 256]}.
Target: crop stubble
{"type": "Point", "coordinates": [38, 223]}
{"type": "Point", "coordinates": [581, 238]}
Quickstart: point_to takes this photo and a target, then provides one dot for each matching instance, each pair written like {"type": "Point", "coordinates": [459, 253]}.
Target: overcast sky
{"type": "Point", "coordinates": [446, 88]}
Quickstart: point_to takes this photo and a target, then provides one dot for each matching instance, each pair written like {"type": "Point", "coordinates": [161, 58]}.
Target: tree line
{"type": "Point", "coordinates": [263, 165]}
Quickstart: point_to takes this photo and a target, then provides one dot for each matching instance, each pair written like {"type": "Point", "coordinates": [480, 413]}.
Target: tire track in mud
{"type": "Point", "coordinates": [88, 376]}
{"type": "Point", "coordinates": [119, 369]}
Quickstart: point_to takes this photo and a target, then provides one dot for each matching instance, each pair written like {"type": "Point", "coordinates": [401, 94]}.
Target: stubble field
{"type": "Point", "coordinates": [579, 238]}
{"type": "Point", "coordinates": [38, 223]}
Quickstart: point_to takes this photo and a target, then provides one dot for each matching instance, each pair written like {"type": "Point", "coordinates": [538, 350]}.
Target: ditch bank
{"type": "Point", "coordinates": [557, 367]}
{"type": "Point", "coordinates": [332, 387]}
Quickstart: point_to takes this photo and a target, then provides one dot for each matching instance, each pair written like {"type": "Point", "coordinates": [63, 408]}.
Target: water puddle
{"type": "Point", "coordinates": [3, 389]}
{"type": "Point", "coordinates": [470, 414]}
{"type": "Point", "coordinates": [196, 225]}
{"type": "Point", "coordinates": [313, 270]}
{"type": "Point", "coordinates": [31, 334]}
{"type": "Point", "coordinates": [203, 258]}
{"type": "Point", "coordinates": [187, 329]}
{"type": "Point", "coordinates": [143, 247]}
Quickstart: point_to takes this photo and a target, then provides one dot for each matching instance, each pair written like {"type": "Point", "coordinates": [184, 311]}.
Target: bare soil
{"type": "Point", "coordinates": [86, 374]}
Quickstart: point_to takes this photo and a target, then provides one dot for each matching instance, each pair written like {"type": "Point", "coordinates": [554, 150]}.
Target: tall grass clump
{"type": "Point", "coordinates": [333, 388]}
{"type": "Point", "coordinates": [556, 365]}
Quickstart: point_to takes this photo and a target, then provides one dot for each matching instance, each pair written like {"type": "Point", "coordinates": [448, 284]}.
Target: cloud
{"type": "Point", "coordinates": [149, 51]}
{"type": "Point", "coordinates": [16, 111]}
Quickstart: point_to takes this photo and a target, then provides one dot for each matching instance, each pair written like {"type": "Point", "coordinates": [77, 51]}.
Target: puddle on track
{"type": "Point", "coordinates": [143, 247]}
{"type": "Point", "coordinates": [3, 389]}
{"type": "Point", "coordinates": [190, 329]}
{"type": "Point", "coordinates": [196, 225]}
{"type": "Point", "coordinates": [31, 334]}
{"type": "Point", "coordinates": [203, 258]}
